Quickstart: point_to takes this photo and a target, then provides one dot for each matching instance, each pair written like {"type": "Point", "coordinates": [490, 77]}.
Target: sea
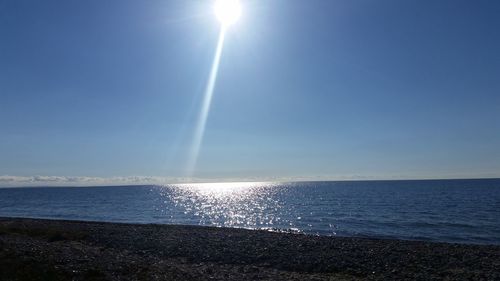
{"type": "Point", "coordinates": [455, 211]}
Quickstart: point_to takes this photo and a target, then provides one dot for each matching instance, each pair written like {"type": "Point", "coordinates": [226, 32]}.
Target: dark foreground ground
{"type": "Point", "coordinates": [63, 250]}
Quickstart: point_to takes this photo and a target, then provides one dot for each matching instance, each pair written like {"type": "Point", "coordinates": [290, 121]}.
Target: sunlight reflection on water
{"type": "Point", "coordinates": [246, 205]}
{"type": "Point", "coordinates": [448, 210]}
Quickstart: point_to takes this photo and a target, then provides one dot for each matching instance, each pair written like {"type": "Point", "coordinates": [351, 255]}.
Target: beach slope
{"type": "Point", "coordinates": [33, 249]}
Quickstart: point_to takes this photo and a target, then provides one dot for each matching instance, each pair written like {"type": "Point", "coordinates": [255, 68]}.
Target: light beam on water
{"type": "Point", "coordinates": [205, 107]}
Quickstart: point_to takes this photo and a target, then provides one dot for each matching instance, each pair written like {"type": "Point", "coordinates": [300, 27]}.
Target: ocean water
{"type": "Point", "coordinates": [461, 211]}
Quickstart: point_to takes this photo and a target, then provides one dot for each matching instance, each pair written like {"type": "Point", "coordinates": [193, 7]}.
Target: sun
{"type": "Point", "coordinates": [227, 11]}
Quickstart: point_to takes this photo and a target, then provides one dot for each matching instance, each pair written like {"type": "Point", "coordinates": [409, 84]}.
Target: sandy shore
{"type": "Point", "coordinates": [63, 250]}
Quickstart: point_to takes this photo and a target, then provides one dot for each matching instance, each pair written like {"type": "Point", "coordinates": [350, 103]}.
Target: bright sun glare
{"type": "Point", "coordinates": [227, 11]}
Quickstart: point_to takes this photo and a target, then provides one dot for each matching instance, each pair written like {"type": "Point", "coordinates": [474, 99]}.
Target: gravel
{"type": "Point", "coordinates": [35, 249]}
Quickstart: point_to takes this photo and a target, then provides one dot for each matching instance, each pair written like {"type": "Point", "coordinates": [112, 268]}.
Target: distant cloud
{"type": "Point", "coordinates": [30, 181]}
{"type": "Point", "coordinates": [17, 181]}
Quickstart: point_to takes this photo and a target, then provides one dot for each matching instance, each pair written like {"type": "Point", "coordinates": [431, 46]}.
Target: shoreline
{"type": "Point", "coordinates": [271, 230]}
{"type": "Point", "coordinates": [31, 249]}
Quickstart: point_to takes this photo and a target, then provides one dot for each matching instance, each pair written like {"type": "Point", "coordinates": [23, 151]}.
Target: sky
{"type": "Point", "coordinates": [108, 92]}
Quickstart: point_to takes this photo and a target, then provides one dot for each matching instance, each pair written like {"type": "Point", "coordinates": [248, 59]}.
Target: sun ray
{"type": "Point", "coordinates": [227, 12]}
{"type": "Point", "coordinates": [205, 107]}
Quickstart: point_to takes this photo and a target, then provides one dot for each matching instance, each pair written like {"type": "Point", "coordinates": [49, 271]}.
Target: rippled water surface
{"type": "Point", "coordinates": [464, 211]}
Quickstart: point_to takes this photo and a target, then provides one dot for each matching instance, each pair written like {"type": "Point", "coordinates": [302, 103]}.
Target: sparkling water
{"type": "Point", "coordinates": [463, 211]}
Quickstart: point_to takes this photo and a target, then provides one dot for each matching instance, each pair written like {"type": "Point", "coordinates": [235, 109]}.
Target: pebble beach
{"type": "Point", "coordinates": [35, 249]}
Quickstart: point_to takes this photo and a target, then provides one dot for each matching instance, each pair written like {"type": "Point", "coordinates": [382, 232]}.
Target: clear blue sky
{"type": "Point", "coordinates": [307, 89]}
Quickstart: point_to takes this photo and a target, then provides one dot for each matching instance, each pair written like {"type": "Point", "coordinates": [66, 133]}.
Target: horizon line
{"type": "Point", "coordinates": [71, 184]}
